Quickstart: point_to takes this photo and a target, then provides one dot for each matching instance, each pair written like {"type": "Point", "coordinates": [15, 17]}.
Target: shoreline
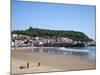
{"type": "Point", "coordinates": [58, 50]}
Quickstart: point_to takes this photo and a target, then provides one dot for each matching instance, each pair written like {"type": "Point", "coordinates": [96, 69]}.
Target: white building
{"type": "Point", "coordinates": [68, 40]}
{"type": "Point", "coordinates": [12, 44]}
{"type": "Point", "coordinates": [14, 35]}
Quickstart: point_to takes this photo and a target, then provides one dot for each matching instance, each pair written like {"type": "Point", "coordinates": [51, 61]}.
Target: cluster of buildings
{"type": "Point", "coordinates": [19, 40]}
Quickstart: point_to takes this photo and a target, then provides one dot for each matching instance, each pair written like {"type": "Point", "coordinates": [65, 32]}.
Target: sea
{"type": "Point", "coordinates": [92, 51]}
{"type": "Point", "coordinates": [88, 52]}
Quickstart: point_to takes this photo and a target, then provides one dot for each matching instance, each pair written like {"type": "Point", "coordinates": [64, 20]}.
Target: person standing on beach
{"type": "Point", "coordinates": [27, 64]}
{"type": "Point", "coordinates": [38, 64]}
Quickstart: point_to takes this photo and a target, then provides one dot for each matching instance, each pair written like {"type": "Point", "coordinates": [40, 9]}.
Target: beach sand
{"type": "Point", "coordinates": [48, 62]}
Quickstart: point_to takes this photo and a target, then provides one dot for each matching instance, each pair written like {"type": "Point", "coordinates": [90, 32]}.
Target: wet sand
{"type": "Point", "coordinates": [48, 62]}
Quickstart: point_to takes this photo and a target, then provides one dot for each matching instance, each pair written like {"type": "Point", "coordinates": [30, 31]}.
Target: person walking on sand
{"type": "Point", "coordinates": [38, 64]}
{"type": "Point", "coordinates": [27, 64]}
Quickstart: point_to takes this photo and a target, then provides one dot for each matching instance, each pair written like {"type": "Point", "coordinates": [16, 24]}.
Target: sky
{"type": "Point", "coordinates": [54, 17]}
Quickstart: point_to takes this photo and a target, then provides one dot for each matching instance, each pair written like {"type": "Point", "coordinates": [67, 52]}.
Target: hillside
{"type": "Point", "coordinates": [74, 35]}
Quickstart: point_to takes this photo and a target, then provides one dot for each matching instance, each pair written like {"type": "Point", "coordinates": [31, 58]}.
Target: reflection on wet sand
{"type": "Point", "coordinates": [54, 50]}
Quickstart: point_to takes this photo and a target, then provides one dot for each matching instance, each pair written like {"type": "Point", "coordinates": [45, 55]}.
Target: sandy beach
{"type": "Point", "coordinates": [48, 62]}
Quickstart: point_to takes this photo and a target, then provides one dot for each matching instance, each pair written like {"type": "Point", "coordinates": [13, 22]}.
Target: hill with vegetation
{"type": "Point", "coordinates": [74, 35]}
